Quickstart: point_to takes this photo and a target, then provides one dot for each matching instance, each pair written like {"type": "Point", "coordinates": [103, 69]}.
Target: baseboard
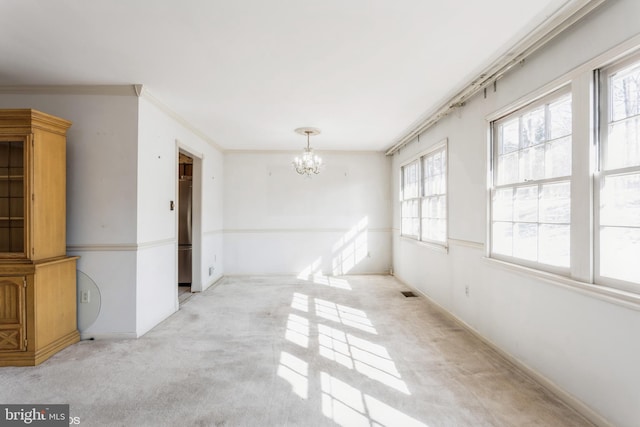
{"type": "Point", "coordinates": [295, 275]}
{"type": "Point", "coordinates": [567, 398]}
{"type": "Point", "coordinates": [213, 283]}
{"type": "Point", "coordinates": [84, 336]}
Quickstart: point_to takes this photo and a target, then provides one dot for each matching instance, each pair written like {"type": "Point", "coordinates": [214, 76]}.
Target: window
{"type": "Point", "coordinates": [531, 192]}
{"type": "Point", "coordinates": [618, 213]}
{"type": "Point", "coordinates": [410, 207]}
{"type": "Point", "coordinates": [424, 196]}
{"type": "Point", "coordinates": [565, 177]}
{"type": "Point", "coordinates": [433, 218]}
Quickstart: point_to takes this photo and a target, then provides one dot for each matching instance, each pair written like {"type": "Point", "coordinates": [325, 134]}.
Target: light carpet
{"type": "Point", "coordinates": [282, 351]}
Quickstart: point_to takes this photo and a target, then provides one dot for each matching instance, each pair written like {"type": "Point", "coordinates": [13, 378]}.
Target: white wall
{"type": "Point", "coordinates": [583, 344]}
{"type": "Point", "coordinates": [160, 138]}
{"type": "Point", "coordinates": [278, 222]}
{"type": "Point", "coordinates": [101, 194]}
{"type": "Point", "coordinates": [121, 176]}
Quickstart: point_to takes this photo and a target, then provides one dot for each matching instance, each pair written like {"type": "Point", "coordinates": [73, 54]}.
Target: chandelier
{"type": "Point", "coordinates": [309, 163]}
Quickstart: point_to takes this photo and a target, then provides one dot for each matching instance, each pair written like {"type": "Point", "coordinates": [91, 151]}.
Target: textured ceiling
{"type": "Point", "coordinates": [248, 72]}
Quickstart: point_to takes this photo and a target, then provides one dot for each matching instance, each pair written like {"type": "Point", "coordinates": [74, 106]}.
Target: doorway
{"type": "Point", "coordinates": [188, 223]}
{"type": "Point", "coordinates": [185, 229]}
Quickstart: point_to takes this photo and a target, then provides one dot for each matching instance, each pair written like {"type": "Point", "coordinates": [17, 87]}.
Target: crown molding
{"type": "Point", "coordinates": [137, 90]}
{"type": "Point", "coordinates": [143, 92]}
{"type": "Point", "coordinates": [112, 90]}
{"type": "Point", "coordinates": [290, 151]}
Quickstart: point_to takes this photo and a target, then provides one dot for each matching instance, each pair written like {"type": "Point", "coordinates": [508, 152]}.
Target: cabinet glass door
{"type": "Point", "coordinates": [11, 196]}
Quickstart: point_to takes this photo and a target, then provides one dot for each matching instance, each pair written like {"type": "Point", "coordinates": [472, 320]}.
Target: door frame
{"type": "Point", "coordinates": [196, 215]}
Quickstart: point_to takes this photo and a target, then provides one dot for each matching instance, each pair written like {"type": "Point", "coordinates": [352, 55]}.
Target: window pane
{"type": "Point", "coordinates": [625, 93]}
{"type": "Point", "coordinates": [425, 175]}
{"type": "Point", "coordinates": [435, 173]}
{"type": "Point", "coordinates": [502, 208]}
{"type": "Point", "coordinates": [434, 229]}
{"type": "Point", "coordinates": [533, 127]}
{"type": "Point", "coordinates": [427, 185]}
{"type": "Point", "coordinates": [502, 238]}
{"type": "Point", "coordinates": [411, 208]}
{"type": "Point", "coordinates": [434, 207]}
{"type": "Point", "coordinates": [620, 200]}
{"type": "Point", "coordinates": [525, 206]}
{"type": "Point", "coordinates": [442, 207]}
{"type": "Point", "coordinates": [560, 117]}
{"type": "Point", "coordinates": [427, 207]}
{"type": "Point", "coordinates": [554, 245]}
{"type": "Point", "coordinates": [436, 164]}
{"type": "Point", "coordinates": [441, 230]}
{"type": "Point", "coordinates": [436, 184]}
{"type": "Point", "coordinates": [619, 253]}
{"type": "Point", "coordinates": [623, 144]}
{"type": "Point", "coordinates": [410, 175]}
{"type": "Point", "coordinates": [558, 158]}
{"type": "Point", "coordinates": [555, 203]}
{"type": "Point", "coordinates": [443, 160]}
{"type": "Point", "coordinates": [525, 241]}
{"type": "Point", "coordinates": [508, 169]}
{"type": "Point", "coordinates": [410, 219]}
{"type": "Point", "coordinates": [428, 166]}
{"type": "Point", "coordinates": [509, 136]}
{"type": "Point", "coordinates": [426, 230]}
{"type": "Point", "coordinates": [415, 227]}
{"type": "Point", "coordinates": [532, 163]}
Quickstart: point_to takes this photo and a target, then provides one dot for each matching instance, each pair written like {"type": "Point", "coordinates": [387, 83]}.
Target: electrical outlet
{"type": "Point", "coordinates": [211, 269]}
{"type": "Point", "coordinates": [85, 296]}
{"type": "Point", "coordinates": [466, 290]}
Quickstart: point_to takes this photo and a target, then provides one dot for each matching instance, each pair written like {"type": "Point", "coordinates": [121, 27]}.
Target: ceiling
{"type": "Point", "coordinates": [246, 73]}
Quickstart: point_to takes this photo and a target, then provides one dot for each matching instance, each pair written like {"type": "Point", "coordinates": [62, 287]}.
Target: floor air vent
{"type": "Point", "coordinates": [409, 294]}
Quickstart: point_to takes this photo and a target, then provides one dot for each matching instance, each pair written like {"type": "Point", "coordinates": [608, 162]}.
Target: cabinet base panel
{"type": "Point", "coordinates": [32, 358]}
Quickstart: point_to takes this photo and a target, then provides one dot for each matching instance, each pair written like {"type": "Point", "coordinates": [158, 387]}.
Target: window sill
{"type": "Point", "coordinates": [611, 295]}
{"type": "Point", "coordinates": [442, 248]}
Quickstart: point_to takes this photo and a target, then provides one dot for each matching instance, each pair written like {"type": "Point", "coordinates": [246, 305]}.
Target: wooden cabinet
{"type": "Point", "coordinates": [37, 278]}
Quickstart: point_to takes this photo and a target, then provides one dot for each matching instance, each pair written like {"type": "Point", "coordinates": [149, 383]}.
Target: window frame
{"type": "Point", "coordinates": [441, 146]}
{"type": "Point", "coordinates": [404, 199]}
{"type": "Point", "coordinates": [544, 99]}
{"type": "Point", "coordinates": [442, 149]}
{"type": "Point", "coordinates": [604, 112]}
{"type": "Point", "coordinates": [584, 83]}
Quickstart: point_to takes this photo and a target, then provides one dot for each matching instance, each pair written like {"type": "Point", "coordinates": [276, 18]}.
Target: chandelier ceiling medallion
{"type": "Point", "coordinates": [309, 163]}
